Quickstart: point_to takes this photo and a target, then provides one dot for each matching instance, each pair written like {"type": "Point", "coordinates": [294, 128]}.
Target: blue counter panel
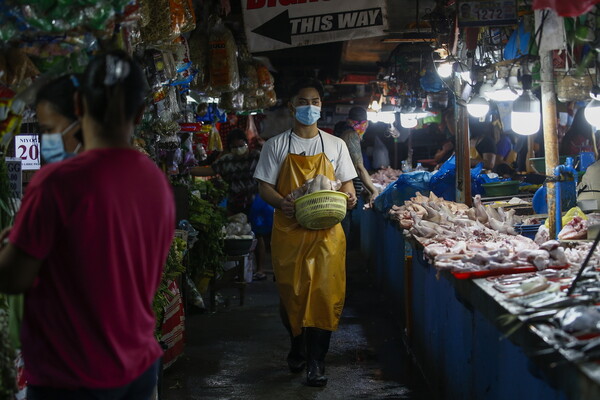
{"type": "Point", "coordinates": [393, 265]}
{"type": "Point", "coordinates": [367, 235]}
{"type": "Point", "coordinates": [461, 352]}
{"type": "Point", "coordinates": [453, 332]}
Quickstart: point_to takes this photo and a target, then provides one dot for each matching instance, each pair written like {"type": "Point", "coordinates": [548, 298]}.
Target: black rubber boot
{"type": "Point", "coordinates": [296, 358]}
{"type": "Point", "coordinates": [317, 345]}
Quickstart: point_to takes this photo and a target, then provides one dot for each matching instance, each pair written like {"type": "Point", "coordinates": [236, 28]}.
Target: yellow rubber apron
{"type": "Point", "coordinates": [309, 265]}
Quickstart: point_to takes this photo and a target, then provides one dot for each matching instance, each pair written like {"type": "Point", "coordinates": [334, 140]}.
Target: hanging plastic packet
{"type": "Point", "coordinates": [265, 79]}
{"type": "Point", "coordinates": [214, 140]}
{"type": "Point", "coordinates": [198, 47]}
{"type": "Point", "coordinates": [189, 23]}
{"type": "Point", "coordinates": [223, 66]}
{"type": "Point", "coordinates": [20, 67]}
{"type": "Point", "coordinates": [252, 135]}
{"type": "Point", "coordinates": [250, 103]}
{"type": "Point", "coordinates": [248, 71]}
{"type": "Point", "coordinates": [232, 101]}
{"type": "Point", "coordinates": [164, 23]}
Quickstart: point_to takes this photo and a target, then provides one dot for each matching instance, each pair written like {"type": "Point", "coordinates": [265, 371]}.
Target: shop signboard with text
{"type": "Point", "coordinates": [27, 149]}
{"type": "Point", "coordinates": [15, 177]}
{"type": "Point", "coordinates": [487, 12]}
{"type": "Point", "coordinates": [280, 24]}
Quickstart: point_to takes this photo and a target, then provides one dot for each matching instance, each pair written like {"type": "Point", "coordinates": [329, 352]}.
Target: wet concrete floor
{"type": "Point", "coordinates": [239, 352]}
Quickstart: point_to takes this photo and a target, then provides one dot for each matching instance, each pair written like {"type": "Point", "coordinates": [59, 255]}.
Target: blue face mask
{"type": "Point", "coordinates": [308, 115]}
{"type": "Point", "coordinates": [53, 148]}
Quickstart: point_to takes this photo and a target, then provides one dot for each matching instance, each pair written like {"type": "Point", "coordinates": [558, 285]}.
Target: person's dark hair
{"type": "Point", "coordinates": [304, 83]}
{"type": "Point", "coordinates": [357, 114]}
{"type": "Point", "coordinates": [236, 134]}
{"type": "Point", "coordinates": [114, 88]}
{"type": "Point", "coordinates": [59, 93]}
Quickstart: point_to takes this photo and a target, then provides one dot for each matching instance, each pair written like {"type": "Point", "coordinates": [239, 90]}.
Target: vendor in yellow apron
{"type": "Point", "coordinates": [310, 269]}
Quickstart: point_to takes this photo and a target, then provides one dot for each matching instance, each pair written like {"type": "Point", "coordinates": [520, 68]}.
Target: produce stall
{"type": "Point", "coordinates": [203, 82]}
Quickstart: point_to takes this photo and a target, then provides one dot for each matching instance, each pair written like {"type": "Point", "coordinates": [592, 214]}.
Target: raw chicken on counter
{"type": "Point", "coordinates": [316, 184]}
{"type": "Point", "coordinates": [576, 229]}
{"type": "Point", "coordinates": [576, 255]}
{"type": "Point", "coordinates": [382, 178]}
{"type": "Point", "coordinates": [466, 239]}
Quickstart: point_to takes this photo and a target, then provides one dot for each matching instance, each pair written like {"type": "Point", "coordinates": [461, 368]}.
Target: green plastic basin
{"type": "Point", "coordinates": [506, 188]}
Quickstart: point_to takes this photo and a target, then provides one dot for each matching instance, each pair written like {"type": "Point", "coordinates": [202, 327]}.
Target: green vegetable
{"type": "Point", "coordinates": [207, 255]}
{"type": "Point", "coordinates": [173, 268]}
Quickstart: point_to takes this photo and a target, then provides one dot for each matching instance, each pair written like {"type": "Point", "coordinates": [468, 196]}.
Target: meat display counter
{"type": "Point", "coordinates": [470, 342]}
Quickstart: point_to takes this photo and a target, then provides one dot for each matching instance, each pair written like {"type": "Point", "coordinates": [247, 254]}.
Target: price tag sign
{"type": "Point", "coordinates": [15, 177]}
{"type": "Point", "coordinates": [27, 149]}
{"type": "Point", "coordinates": [487, 13]}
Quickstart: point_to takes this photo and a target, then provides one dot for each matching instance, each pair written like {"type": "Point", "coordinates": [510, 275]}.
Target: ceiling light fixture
{"type": "Point", "coordinates": [478, 107]}
{"type": "Point", "coordinates": [592, 110]}
{"type": "Point", "coordinates": [444, 69]}
{"type": "Point", "coordinates": [526, 111]}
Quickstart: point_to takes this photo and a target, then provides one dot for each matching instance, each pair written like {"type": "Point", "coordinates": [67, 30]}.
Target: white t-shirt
{"type": "Point", "coordinates": [275, 150]}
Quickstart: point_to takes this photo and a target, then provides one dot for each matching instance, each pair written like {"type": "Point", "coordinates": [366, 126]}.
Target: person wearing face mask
{"type": "Point", "coordinates": [88, 247]}
{"type": "Point", "coordinates": [237, 169]}
{"type": "Point", "coordinates": [356, 126]}
{"type": "Point", "coordinates": [60, 130]}
{"type": "Point", "coordinates": [309, 265]}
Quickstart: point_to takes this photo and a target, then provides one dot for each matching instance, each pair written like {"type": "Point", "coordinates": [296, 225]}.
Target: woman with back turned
{"type": "Point", "coordinates": [93, 233]}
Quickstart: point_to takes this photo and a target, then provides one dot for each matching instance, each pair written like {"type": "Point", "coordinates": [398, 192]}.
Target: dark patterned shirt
{"type": "Point", "coordinates": [238, 173]}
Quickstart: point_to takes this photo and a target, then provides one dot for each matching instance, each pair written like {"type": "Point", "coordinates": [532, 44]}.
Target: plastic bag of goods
{"type": "Point", "coordinates": [222, 62]}
{"type": "Point", "coordinates": [265, 79]}
{"type": "Point", "coordinates": [163, 23]}
{"type": "Point", "coordinates": [198, 45]}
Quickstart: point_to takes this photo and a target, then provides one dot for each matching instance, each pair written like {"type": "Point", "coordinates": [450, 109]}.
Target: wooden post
{"type": "Point", "coordinates": [550, 134]}
{"type": "Point", "coordinates": [531, 154]}
{"type": "Point", "coordinates": [463, 160]}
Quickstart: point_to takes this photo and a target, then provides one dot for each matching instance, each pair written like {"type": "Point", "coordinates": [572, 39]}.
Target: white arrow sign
{"type": "Point", "coordinates": [279, 24]}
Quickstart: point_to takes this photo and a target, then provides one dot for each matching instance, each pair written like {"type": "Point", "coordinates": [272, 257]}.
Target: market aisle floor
{"type": "Point", "coordinates": [239, 352]}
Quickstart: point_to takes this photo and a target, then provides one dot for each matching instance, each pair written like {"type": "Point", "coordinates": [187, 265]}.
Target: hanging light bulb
{"type": "Point", "coordinates": [478, 107]}
{"type": "Point", "coordinates": [463, 71]}
{"type": "Point", "coordinates": [444, 69]}
{"type": "Point", "coordinates": [503, 92]}
{"type": "Point", "coordinates": [525, 115]}
{"type": "Point", "coordinates": [592, 110]}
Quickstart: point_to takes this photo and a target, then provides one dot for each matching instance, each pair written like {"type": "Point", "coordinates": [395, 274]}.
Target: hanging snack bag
{"type": "Point", "coordinates": [189, 23]}
{"type": "Point", "coordinates": [232, 101]}
{"type": "Point", "coordinates": [248, 72]}
{"type": "Point", "coordinates": [20, 67]}
{"type": "Point", "coordinates": [165, 21]}
{"type": "Point", "coordinates": [198, 44]}
{"type": "Point", "coordinates": [265, 79]}
{"type": "Point", "coordinates": [223, 66]}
